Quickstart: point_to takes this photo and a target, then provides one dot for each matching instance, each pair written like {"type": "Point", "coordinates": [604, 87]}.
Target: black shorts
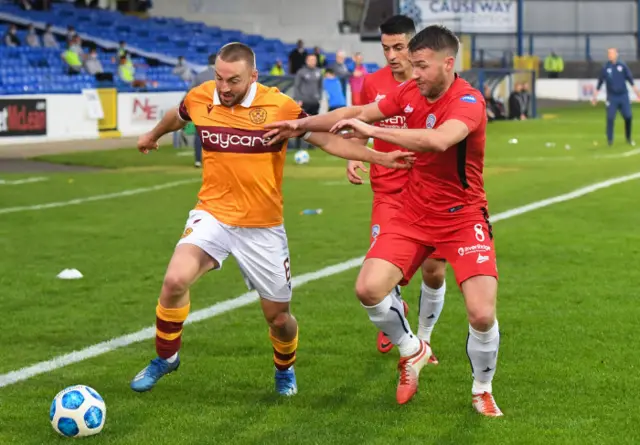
{"type": "Point", "coordinates": [311, 108]}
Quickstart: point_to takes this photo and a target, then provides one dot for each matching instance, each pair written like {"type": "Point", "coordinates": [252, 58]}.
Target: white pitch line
{"type": "Point", "coordinates": [251, 297]}
{"type": "Point", "coordinates": [23, 181]}
{"type": "Point", "coordinates": [77, 201]}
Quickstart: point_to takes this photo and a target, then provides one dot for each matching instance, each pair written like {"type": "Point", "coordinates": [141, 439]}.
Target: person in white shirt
{"type": "Point", "coordinates": [33, 40]}
{"type": "Point", "coordinates": [48, 39]}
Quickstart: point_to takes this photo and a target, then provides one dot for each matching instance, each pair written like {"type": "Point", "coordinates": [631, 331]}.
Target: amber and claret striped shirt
{"type": "Point", "coordinates": [242, 176]}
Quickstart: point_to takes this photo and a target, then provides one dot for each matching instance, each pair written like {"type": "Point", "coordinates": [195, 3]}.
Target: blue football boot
{"type": "Point", "coordinates": [149, 376]}
{"type": "Point", "coordinates": [286, 382]}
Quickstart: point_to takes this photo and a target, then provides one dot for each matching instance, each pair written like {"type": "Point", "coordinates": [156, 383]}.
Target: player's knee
{"type": "Point", "coordinates": [482, 319]}
{"type": "Point", "coordinates": [279, 320]}
{"type": "Point", "coordinates": [369, 292]}
{"type": "Point", "coordinates": [175, 285]}
{"type": "Point", "coordinates": [433, 274]}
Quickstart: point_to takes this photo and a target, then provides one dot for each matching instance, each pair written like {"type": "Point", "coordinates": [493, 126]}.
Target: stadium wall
{"type": "Point", "coordinates": [44, 118]}
{"type": "Point", "coordinates": [573, 89]}
{"type": "Point", "coordinates": [573, 17]}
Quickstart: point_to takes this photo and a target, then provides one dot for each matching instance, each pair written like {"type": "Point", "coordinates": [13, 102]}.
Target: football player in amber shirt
{"type": "Point", "coordinates": [444, 207]}
{"type": "Point", "coordinates": [239, 211]}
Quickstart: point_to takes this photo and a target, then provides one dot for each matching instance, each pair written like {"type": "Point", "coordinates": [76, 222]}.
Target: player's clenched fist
{"type": "Point", "coordinates": [147, 142]}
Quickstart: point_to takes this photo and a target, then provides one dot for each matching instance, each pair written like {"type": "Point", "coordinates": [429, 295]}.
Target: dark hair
{"type": "Point", "coordinates": [398, 24]}
{"type": "Point", "coordinates": [235, 51]}
{"type": "Point", "coordinates": [436, 38]}
{"type": "Point", "coordinates": [329, 71]}
{"type": "Point", "coordinates": [212, 59]}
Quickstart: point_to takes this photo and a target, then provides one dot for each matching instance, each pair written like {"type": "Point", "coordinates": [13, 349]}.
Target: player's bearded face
{"type": "Point", "coordinates": [396, 51]}
{"type": "Point", "coordinates": [233, 80]}
{"type": "Point", "coordinates": [431, 70]}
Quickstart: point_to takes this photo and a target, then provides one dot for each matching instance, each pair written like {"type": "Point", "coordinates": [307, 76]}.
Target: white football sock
{"type": "Point", "coordinates": [173, 358]}
{"type": "Point", "coordinates": [388, 316]}
{"type": "Point", "coordinates": [482, 349]}
{"type": "Point", "coordinates": [431, 303]}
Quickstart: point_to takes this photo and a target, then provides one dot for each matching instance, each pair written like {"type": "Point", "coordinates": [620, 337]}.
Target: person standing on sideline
{"type": "Point", "coordinates": [553, 65]}
{"type": "Point", "coordinates": [333, 87]}
{"type": "Point", "coordinates": [357, 80]}
{"type": "Point", "coordinates": [308, 88]}
{"type": "Point", "coordinates": [615, 74]}
{"type": "Point", "coordinates": [297, 57]}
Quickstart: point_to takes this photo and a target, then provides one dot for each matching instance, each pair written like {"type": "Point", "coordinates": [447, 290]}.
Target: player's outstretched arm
{"type": "Point", "coordinates": [353, 150]}
{"type": "Point", "coordinates": [446, 135]}
{"type": "Point", "coordinates": [171, 121]}
{"type": "Point", "coordinates": [282, 130]}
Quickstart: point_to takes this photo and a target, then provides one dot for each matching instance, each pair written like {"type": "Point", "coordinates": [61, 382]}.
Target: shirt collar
{"type": "Point", "coordinates": [248, 99]}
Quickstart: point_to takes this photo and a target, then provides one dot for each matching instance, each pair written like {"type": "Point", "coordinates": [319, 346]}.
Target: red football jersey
{"type": "Point", "coordinates": [447, 183]}
{"type": "Point", "coordinates": [376, 87]}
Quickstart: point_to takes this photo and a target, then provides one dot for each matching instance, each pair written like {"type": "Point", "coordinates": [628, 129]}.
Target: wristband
{"type": "Point", "coordinates": [307, 135]}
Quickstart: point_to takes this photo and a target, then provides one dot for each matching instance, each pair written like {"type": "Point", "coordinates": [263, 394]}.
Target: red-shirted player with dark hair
{"type": "Point", "coordinates": [387, 183]}
{"type": "Point", "coordinates": [444, 207]}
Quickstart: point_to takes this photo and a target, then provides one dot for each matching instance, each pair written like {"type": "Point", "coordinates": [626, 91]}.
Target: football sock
{"type": "Point", "coordinates": [627, 129]}
{"type": "Point", "coordinates": [482, 349]}
{"type": "Point", "coordinates": [397, 292]}
{"type": "Point", "coordinates": [431, 303]}
{"type": "Point", "coordinates": [284, 352]}
{"type": "Point", "coordinates": [610, 131]}
{"type": "Point", "coordinates": [169, 330]}
{"type": "Point", "coordinates": [388, 316]}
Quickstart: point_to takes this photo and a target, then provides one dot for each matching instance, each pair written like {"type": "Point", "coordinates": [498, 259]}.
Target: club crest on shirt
{"type": "Point", "coordinates": [431, 120]}
{"type": "Point", "coordinates": [375, 231]}
{"type": "Point", "coordinates": [258, 115]}
{"type": "Point", "coordinates": [209, 108]}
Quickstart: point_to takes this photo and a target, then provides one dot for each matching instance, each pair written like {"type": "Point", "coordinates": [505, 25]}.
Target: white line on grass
{"type": "Point", "coordinates": [77, 201]}
{"type": "Point", "coordinates": [23, 181]}
{"type": "Point", "coordinates": [251, 297]}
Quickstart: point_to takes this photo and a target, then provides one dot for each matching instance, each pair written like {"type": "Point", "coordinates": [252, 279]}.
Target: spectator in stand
{"type": "Point", "coordinates": [27, 5]}
{"type": "Point", "coordinates": [127, 73]}
{"type": "Point", "coordinates": [516, 104]}
{"type": "Point", "coordinates": [357, 79]}
{"type": "Point", "coordinates": [322, 60]}
{"type": "Point", "coordinates": [182, 70]}
{"type": "Point", "coordinates": [308, 87]}
{"type": "Point", "coordinates": [297, 58]}
{"type": "Point", "coordinates": [71, 33]}
{"type": "Point", "coordinates": [495, 109]}
{"type": "Point", "coordinates": [122, 49]}
{"type": "Point", "coordinates": [93, 65]}
{"type": "Point", "coordinates": [333, 88]}
{"type": "Point", "coordinates": [49, 39]}
{"type": "Point", "coordinates": [340, 69]}
{"type": "Point", "coordinates": [10, 38]}
{"type": "Point", "coordinates": [32, 37]}
{"type": "Point", "coordinates": [73, 59]}
{"type": "Point", "coordinates": [277, 69]}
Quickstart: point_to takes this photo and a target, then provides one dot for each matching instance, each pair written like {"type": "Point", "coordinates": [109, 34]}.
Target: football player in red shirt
{"type": "Point", "coordinates": [387, 183]}
{"type": "Point", "coordinates": [444, 207]}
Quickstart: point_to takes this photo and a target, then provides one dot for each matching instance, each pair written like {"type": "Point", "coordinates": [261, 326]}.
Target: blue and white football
{"type": "Point", "coordinates": [78, 411]}
{"type": "Point", "coordinates": [302, 157]}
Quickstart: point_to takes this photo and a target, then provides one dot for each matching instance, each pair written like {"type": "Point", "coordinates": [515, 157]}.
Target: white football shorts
{"type": "Point", "coordinates": [261, 252]}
